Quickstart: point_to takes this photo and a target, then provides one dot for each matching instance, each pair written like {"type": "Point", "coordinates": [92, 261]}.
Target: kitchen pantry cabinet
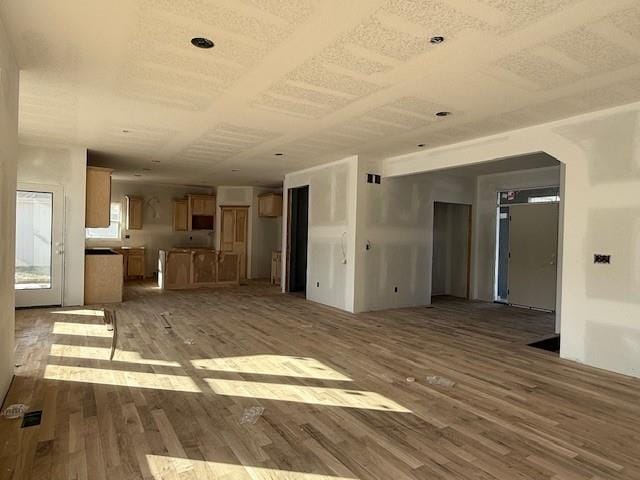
{"type": "Point", "coordinates": [98, 198]}
{"type": "Point", "coordinates": [180, 214]}
{"type": "Point", "coordinates": [270, 205]}
{"type": "Point", "coordinates": [135, 212]}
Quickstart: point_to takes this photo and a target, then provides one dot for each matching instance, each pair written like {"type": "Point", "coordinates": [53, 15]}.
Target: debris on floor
{"type": "Point", "coordinates": [189, 341]}
{"type": "Point", "coordinates": [440, 381]}
{"type": "Point", "coordinates": [250, 415]}
{"type": "Point", "coordinates": [411, 379]}
{"type": "Point", "coordinates": [15, 411]}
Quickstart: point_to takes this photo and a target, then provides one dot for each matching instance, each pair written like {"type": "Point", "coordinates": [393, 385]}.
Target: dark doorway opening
{"type": "Point", "coordinates": [298, 219]}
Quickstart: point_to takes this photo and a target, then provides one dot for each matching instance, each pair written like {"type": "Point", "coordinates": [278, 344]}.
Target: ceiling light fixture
{"type": "Point", "coordinates": [202, 42]}
{"type": "Point", "coordinates": [436, 40]}
{"type": "Point", "coordinates": [137, 174]}
{"type": "Point", "coordinates": [155, 161]}
{"type": "Point", "coordinates": [125, 131]}
{"type": "Point", "coordinates": [278, 154]}
{"type": "Point", "coordinates": [235, 170]}
{"type": "Point", "coordinates": [422, 145]}
{"type": "Point", "coordinates": [442, 114]}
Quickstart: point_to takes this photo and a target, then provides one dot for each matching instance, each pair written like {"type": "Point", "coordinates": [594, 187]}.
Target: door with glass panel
{"type": "Point", "coordinates": [39, 245]}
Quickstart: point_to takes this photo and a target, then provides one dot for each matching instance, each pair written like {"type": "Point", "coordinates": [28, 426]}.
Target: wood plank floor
{"type": "Point", "coordinates": [337, 403]}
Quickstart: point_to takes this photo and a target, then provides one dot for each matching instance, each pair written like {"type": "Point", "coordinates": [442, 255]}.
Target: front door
{"type": "Point", "coordinates": [39, 245]}
{"type": "Point", "coordinates": [233, 237]}
{"type": "Point", "coordinates": [533, 249]}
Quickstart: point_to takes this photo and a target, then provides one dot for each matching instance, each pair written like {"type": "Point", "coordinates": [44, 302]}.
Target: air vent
{"type": "Point", "coordinates": [373, 178]}
{"type": "Point", "coordinates": [31, 419]}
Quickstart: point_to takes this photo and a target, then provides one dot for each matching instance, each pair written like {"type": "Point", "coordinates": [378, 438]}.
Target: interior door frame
{"type": "Point", "coordinates": [247, 234]}
{"type": "Point", "coordinates": [30, 297]}
{"type": "Point", "coordinates": [287, 273]}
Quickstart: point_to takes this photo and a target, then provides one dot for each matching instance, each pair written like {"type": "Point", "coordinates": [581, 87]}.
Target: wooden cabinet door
{"type": "Point", "coordinates": [204, 266]}
{"type": "Point", "coordinates": [233, 235]}
{"type": "Point", "coordinates": [180, 213]}
{"type": "Point", "coordinates": [178, 270]}
{"type": "Point", "coordinates": [134, 212]}
{"type": "Point", "coordinates": [135, 265]}
{"type": "Point", "coordinates": [270, 205]}
{"type": "Point", "coordinates": [98, 197]}
{"type": "Point", "coordinates": [209, 205]}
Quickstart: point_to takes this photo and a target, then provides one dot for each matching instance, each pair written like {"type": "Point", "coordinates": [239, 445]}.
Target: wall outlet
{"type": "Point", "coordinates": [601, 258]}
{"type": "Point", "coordinates": [317, 284]}
{"type": "Point", "coordinates": [395, 289]}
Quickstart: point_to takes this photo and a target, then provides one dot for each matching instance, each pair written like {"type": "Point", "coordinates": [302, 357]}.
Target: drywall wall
{"type": "Point", "coordinates": [8, 153]}
{"type": "Point", "coordinates": [332, 228]}
{"type": "Point", "coordinates": [395, 219]}
{"type": "Point", "coordinates": [484, 228]}
{"type": "Point", "coordinates": [266, 237]}
{"type": "Point", "coordinates": [157, 232]}
{"type": "Point", "coordinates": [65, 166]}
{"type": "Point", "coordinates": [599, 305]}
{"type": "Point", "coordinates": [450, 249]}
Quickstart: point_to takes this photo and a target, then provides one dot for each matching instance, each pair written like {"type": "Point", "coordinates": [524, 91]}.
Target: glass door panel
{"type": "Point", "coordinates": [39, 249]}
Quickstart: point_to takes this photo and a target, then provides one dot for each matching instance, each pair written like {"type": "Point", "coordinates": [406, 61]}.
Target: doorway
{"type": "Point", "coordinates": [450, 272]}
{"type": "Point", "coordinates": [527, 248]}
{"type": "Point", "coordinates": [39, 245]}
{"type": "Point", "coordinates": [298, 230]}
{"type": "Point", "coordinates": [233, 234]}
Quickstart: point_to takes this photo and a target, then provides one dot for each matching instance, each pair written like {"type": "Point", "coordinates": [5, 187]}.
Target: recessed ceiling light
{"type": "Point", "coordinates": [137, 174]}
{"type": "Point", "coordinates": [278, 154]}
{"type": "Point", "coordinates": [155, 161]}
{"type": "Point", "coordinates": [422, 145]}
{"type": "Point", "coordinates": [201, 42]}
{"type": "Point", "coordinates": [442, 114]}
{"type": "Point", "coordinates": [146, 169]}
{"type": "Point", "coordinates": [235, 170]}
{"type": "Point", "coordinates": [125, 131]}
{"type": "Point", "coordinates": [436, 40]}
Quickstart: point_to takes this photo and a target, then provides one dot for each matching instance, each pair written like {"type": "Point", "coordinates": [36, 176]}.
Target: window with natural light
{"type": "Point", "coordinates": [113, 230]}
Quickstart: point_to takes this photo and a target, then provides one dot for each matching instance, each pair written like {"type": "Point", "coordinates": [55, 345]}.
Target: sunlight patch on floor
{"type": "Point", "coordinates": [101, 353]}
{"type": "Point", "coordinates": [162, 467]}
{"type": "Point", "coordinates": [282, 365]}
{"type": "Point", "coordinates": [85, 312]}
{"type": "Point", "coordinates": [81, 329]}
{"type": "Point", "coordinates": [178, 383]}
{"type": "Point", "coordinates": [335, 397]}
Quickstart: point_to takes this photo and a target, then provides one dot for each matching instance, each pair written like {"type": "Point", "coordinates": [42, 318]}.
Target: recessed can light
{"type": "Point", "coordinates": [422, 145]}
{"type": "Point", "coordinates": [125, 131]}
{"type": "Point", "coordinates": [155, 161]}
{"type": "Point", "coordinates": [137, 174]}
{"type": "Point", "coordinates": [235, 170]}
{"type": "Point", "coordinates": [278, 154]}
{"type": "Point", "coordinates": [146, 169]}
{"type": "Point", "coordinates": [202, 42]}
{"type": "Point", "coordinates": [442, 114]}
{"type": "Point", "coordinates": [436, 40]}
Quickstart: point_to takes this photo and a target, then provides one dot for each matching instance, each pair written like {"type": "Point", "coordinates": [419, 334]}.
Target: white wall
{"type": "Point", "coordinates": [157, 232]}
{"type": "Point", "coordinates": [485, 220]}
{"type": "Point", "coordinates": [65, 166]}
{"type": "Point", "coordinates": [396, 218]}
{"type": "Point", "coordinates": [599, 304]}
{"type": "Point", "coordinates": [332, 228]}
{"type": "Point", "coordinates": [8, 154]}
{"type": "Point", "coordinates": [267, 237]}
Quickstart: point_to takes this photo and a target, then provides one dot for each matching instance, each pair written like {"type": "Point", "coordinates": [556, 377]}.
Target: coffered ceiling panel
{"type": "Point", "coordinates": [315, 80]}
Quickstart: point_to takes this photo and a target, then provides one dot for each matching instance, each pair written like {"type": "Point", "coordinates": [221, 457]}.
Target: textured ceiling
{"type": "Point", "coordinates": [314, 79]}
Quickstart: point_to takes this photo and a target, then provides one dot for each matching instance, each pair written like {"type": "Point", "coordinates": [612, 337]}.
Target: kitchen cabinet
{"type": "Point", "coordinates": [133, 261]}
{"type": "Point", "coordinates": [270, 205]}
{"type": "Point", "coordinates": [183, 268]}
{"type": "Point", "coordinates": [180, 214]}
{"type": "Point", "coordinates": [135, 212]}
{"type": "Point", "coordinates": [201, 212]}
{"type": "Point", "coordinates": [98, 197]}
{"type": "Point", "coordinates": [102, 276]}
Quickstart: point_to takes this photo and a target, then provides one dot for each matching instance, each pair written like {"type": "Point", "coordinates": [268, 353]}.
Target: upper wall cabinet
{"type": "Point", "coordinates": [98, 205]}
{"type": "Point", "coordinates": [180, 214]}
{"type": "Point", "coordinates": [135, 212]}
{"type": "Point", "coordinates": [202, 211]}
{"type": "Point", "coordinates": [270, 205]}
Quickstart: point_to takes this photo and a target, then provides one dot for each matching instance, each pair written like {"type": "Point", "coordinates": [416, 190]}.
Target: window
{"type": "Point", "coordinates": [113, 230]}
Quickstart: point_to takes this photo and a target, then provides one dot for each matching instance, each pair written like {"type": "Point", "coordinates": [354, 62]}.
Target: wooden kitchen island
{"type": "Point", "coordinates": [183, 268]}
